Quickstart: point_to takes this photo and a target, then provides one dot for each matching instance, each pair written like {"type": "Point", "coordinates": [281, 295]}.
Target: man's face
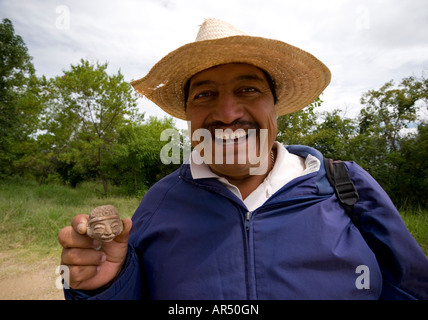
{"type": "Point", "coordinates": [233, 98]}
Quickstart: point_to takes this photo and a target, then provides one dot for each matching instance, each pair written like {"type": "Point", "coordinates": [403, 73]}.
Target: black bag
{"type": "Point", "coordinates": [347, 194]}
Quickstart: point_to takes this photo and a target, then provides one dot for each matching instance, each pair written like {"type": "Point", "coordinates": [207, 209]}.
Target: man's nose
{"type": "Point", "coordinates": [228, 109]}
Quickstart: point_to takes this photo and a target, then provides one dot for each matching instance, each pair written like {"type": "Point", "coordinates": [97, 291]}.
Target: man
{"type": "Point", "coordinates": [261, 224]}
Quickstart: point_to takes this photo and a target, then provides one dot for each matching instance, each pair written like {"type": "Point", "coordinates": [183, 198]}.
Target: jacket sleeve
{"type": "Point", "coordinates": [403, 264]}
{"type": "Point", "coordinates": [127, 286]}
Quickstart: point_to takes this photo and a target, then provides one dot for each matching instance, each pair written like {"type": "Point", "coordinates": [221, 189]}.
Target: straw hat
{"type": "Point", "coordinates": [298, 76]}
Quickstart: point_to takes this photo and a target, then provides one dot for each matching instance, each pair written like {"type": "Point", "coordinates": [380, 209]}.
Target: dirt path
{"type": "Point", "coordinates": [28, 277]}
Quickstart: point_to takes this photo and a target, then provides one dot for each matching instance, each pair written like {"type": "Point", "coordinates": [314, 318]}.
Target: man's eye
{"type": "Point", "coordinates": [248, 90]}
{"type": "Point", "coordinates": [203, 94]}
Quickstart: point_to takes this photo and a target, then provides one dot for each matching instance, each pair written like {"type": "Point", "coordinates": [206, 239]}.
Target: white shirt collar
{"type": "Point", "coordinates": [287, 167]}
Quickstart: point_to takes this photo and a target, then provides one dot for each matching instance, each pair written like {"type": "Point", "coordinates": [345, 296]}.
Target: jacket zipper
{"type": "Point", "coordinates": [251, 295]}
{"type": "Point", "coordinates": [247, 220]}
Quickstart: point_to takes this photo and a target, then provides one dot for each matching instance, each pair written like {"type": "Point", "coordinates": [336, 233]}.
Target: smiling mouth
{"type": "Point", "coordinates": [229, 136]}
{"type": "Point", "coordinates": [107, 238]}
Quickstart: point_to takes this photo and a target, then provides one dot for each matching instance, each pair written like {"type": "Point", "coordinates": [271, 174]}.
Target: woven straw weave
{"type": "Point", "coordinates": [298, 76]}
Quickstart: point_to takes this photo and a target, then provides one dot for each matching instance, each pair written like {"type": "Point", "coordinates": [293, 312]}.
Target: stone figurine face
{"type": "Point", "coordinates": [104, 223]}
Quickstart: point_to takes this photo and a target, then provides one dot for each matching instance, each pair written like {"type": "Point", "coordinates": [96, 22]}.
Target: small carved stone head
{"type": "Point", "coordinates": [104, 223]}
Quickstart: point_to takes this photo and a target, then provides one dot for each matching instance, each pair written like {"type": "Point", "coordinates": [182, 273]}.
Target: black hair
{"type": "Point", "coordinates": [271, 85]}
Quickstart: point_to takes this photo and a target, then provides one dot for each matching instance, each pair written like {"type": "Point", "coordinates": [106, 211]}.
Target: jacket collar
{"type": "Point", "coordinates": [322, 185]}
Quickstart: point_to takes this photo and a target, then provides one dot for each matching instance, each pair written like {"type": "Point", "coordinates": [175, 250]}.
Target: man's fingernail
{"type": "Point", "coordinates": [103, 258]}
{"type": "Point", "coordinates": [81, 228]}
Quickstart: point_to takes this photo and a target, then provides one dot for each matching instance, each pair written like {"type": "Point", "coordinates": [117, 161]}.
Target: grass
{"type": "Point", "coordinates": [32, 215]}
{"type": "Point", "coordinates": [417, 223]}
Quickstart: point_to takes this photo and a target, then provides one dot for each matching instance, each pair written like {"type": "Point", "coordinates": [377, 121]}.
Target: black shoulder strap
{"type": "Point", "coordinates": [347, 194]}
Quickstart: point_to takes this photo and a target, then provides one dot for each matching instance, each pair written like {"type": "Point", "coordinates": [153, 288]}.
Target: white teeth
{"type": "Point", "coordinates": [240, 133]}
{"type": "Point", "coordinates": [229, 135]}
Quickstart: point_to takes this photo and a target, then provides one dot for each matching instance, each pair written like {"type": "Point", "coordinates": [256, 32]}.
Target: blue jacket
{"type": "Point", "coordinates": [194, 239]}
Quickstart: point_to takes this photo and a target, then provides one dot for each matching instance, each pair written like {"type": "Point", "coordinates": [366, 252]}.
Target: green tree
{"type": "Point", "coordinates": [328, 132]}
{"type": "Point", "coordinates": [389, 110]}
{"type": "Point", "coordinates": [411, 187]}
{"type": "Point", "coordinates": [296, 128]}
{"type": "Point", "coordinates": [383, 146]}
{"type": "Point", "coordinates": [19, 98]}
{"type": "Point", "coordinates": [135, 161]}
{"type": "Point", "coordinates": [332, 135]}
{"type": "Point", "coordinates": [85, 111]}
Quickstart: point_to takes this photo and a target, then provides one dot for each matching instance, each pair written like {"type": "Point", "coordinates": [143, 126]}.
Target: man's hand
{"type": "Point", "coordinates": [90, 268]}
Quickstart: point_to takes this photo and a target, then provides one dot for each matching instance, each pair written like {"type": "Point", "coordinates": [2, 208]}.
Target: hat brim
{"type": "Point", "coordinates": [298, 76]}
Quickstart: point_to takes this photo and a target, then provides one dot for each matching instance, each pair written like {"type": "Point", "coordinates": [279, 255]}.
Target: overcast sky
{"type": "Point", "coordinates": [365, 43]}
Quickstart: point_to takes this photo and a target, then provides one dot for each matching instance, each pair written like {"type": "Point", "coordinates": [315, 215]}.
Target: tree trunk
{"type": "Point", "coordinates": [135, 180]}
{"type": "Point", "coordinates": [105, 185]}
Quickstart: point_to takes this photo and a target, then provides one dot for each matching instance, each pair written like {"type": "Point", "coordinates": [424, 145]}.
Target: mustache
{"type": "Point", "coordinates": [237, 124]}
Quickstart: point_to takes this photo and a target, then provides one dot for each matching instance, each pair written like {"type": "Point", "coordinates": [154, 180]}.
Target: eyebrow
{"type": "Point", "coordinates": [238, 78]}
{"type": "Point", "coordinates": [200, 83]}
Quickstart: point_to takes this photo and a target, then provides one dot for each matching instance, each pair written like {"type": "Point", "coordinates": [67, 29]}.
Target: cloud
{"type": "Point", "coordinates": [364, 43]}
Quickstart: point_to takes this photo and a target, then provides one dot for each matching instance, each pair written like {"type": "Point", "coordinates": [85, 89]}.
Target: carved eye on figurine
{"type": "Point", "coordinates": [104, 223]}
